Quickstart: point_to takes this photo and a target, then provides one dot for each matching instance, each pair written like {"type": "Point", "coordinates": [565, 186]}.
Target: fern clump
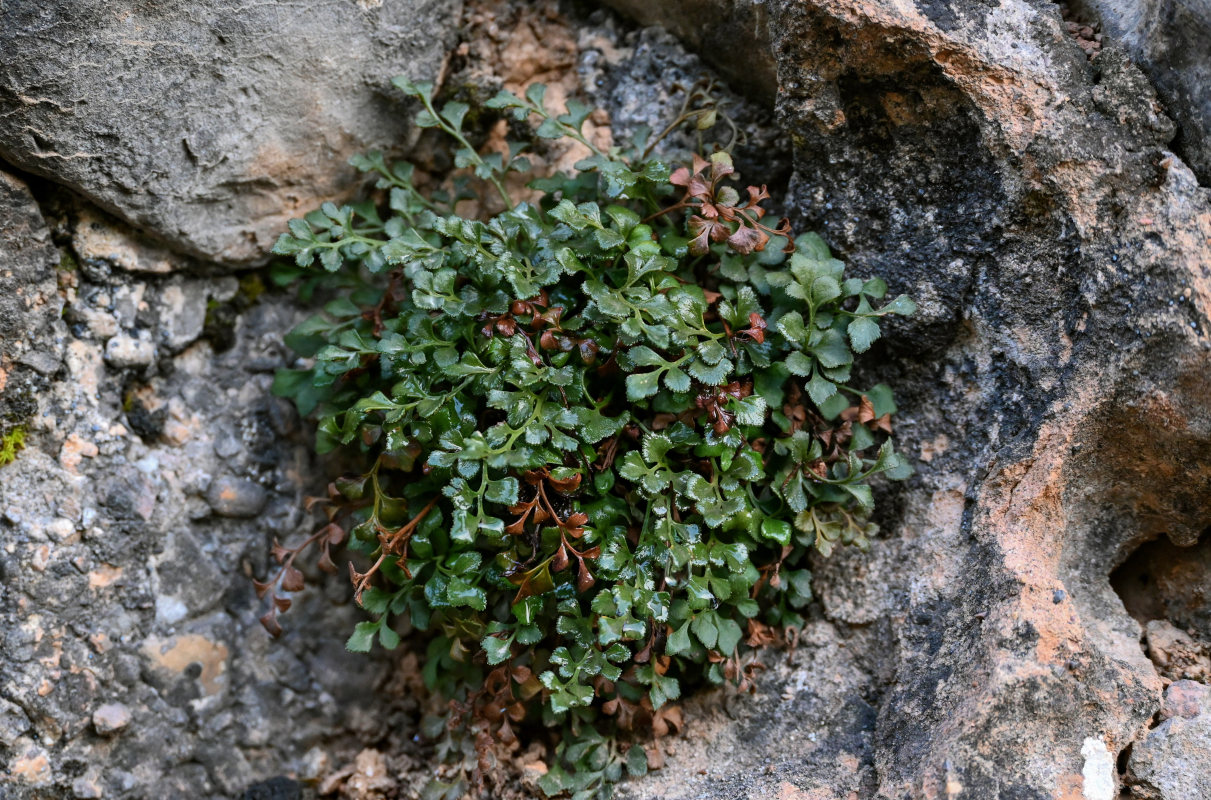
{"type": "Point", "coordinates": [600, 432]}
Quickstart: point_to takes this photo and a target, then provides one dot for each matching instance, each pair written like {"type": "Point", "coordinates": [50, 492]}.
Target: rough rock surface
{"type": "Point", "coordinates": [131, 662]}
{"type": "Point", "coordinates": [1171, 762]}
{"type": "Point", "coordinates": [1170, 42]}
{"type": "Point", "coordinates": [1053, 389]}
{"type": "Point", "coordinates": [30, 341]}
{"type": "Point", "coordinates": [210, 124]}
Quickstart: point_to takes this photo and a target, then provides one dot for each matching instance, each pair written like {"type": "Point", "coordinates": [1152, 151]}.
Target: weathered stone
{"type": "Point", "coordinates": [1172, 43]}
{"type": "Point", "coordinates": [129, 351]}
{"type": "Point", "coordinates": [87, 788]}
{"type": "Point", "coordinates": [736, 40]}
{"type": "Point", "coordinates": [29, 302]}
{"type": "Point", "coordinates": [210, 125]}
{"type": "Point", "coordinates": [1054, 382]}
{"type": "Point", "coordinates": [1176, 654]}
{"type": "Point", "coordinates": [1185, 699]}
{"type": "Point", "coordinates": [13, 722]}
{"type": "Point", "coordinates": [1172, 761]}
{"type": "Point", "coordinates": [1053, 389]}
{"type": "Point", "coordinates": [111, 718]}
{"type": "Point", "coordinates": [235, 497]}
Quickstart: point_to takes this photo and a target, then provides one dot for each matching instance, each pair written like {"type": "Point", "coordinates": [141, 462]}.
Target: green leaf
{"type": "Point", "coordinates": [862, 333]}
{"type": "Point", "coordinates": [831, 349]}
{"type": "Point", "coordinates": [642, 384]}
{"type": "Point", "coordinates": [704, 628]}
{"type": "Point", "coordinates": [902, 305]}
{"type": "Point", "coordinates": [730, 634]}
{"type": "Point", "coordinates": [497, 649]}
{"type": "Point", "coordinates": [461, 593]}
{"type": "Point", "coordinates": [820, 389]}
{"type": "Point", "coordinates": [777, 530]}
{"type": "Point", "coordinates": [800, 364]}
{"type": "Point", "coordinates": [637, 761]}
{"type": "Point", "coordinates": [362, 638]}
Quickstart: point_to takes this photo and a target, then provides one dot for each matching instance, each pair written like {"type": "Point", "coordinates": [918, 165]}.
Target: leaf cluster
{"type": "Point", "coordinates": [601, 432]}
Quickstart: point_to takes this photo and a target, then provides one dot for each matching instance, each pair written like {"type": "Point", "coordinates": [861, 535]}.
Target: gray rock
{"type": "Point", "coordinates": [87, 788]}
{"type": "Point", "coordinates": [210, 124]}
{"type": "Point", "coordinates": [1171, 41]}
{"type": "Point", "coordinates": [111, 718]}
{"type": "Point", "coordinates": [1029, 199]}
{"type": "Point", "coordinates": [235, 497]}
{"type": "Point", "coordinates": [736, 42]}
{"type": "Point", "coordinates": [29, 301]}
{"type": "Point", "coordinates": [125, 350]}
{"type": "Point", "coordinates": [1173, 761]}
{"type": "Point", "coordinates": [181, 308]}
{"type": "Point", "coordinates": [13, 722]}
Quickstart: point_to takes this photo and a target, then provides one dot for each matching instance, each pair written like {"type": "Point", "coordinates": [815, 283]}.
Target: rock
{"type": "Point", "coordinates": [111, 718]}
{"type": "Point", "coordinates": [1170, 578]}
{"type": "Point", "coordinates": [87, 788]}
{"type": "Point", "coordinates": [1185, 699]}
{"type": "Point", "coordinates": [1171, 762]}
{"type": "Point", "coordinates": [29, 303]}
{"type": "Point", "coordinates": [235, 497]}
{"type": "Point", "coordinates": [13, 722]}
{"type": "Point", "coordinates": [1054, 385]}
{"type": "Point", "coordinates": [279, 788]}
{"type": "Point", "coordinates": [1170, 43]}
{"type": "Point", "coordinates": [214, 160]}
{"type": "Point", "coordinates": [125, 350]}
{"type": "Point", "coordinates": [1059, 249]}
{"type": "Point", "coordinates": [1176, 654]}
{"type": "Point", "coordinates": [736, 42]}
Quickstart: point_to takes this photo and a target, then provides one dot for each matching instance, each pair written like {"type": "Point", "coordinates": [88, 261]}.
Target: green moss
{"type": "Point", "coordinates": [251, 287]}
{"type": "Point", "coordinates": [10, 444]}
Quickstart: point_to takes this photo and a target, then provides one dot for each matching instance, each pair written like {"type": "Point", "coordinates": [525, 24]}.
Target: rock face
{"type": "Point", "coordinates": [1171, 762]}
{"type": "Point", "coordinates": [1054, 386]}
{"type": "Point", "coordinates": [1170, 41]}
{"type": "Point", "coordinates": [30, 341]}
{"type": "Point", "coordinates": [131, 661]}
{"type": "Point", "coordinates": [210, 124]}
{"type": "Point", "coordinates": [1037, 584]}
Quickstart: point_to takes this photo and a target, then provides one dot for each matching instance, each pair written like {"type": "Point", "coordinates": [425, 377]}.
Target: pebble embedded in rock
{"type": "Point", "coordinates": [111, 718]}
{"type": "Point", "coordinates": [235, 497]}
{"type": "Point", "coordinates": [127, 351]}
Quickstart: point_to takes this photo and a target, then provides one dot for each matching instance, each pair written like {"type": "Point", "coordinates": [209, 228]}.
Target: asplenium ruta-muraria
{"type": "Point", "coordinates": [599, 432]}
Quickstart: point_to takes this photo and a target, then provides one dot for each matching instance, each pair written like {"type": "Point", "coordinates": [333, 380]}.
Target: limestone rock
{"type": "Point", "coordinates": [210, 124]}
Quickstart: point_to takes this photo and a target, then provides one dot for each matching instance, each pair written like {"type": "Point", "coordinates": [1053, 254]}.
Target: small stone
{"type": "Point", "coordinates": [40, 361]}
{"type": "Point", "coordinates": [59, 529]}
{"type": "Point", "coordinates": [127, 351]}
{"type": "Point", "coordinates": [76, 448]}
{"type": "Point", "coordinates": [235, 497]}
{"type": "Point", "coordinates": [111, 718]}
